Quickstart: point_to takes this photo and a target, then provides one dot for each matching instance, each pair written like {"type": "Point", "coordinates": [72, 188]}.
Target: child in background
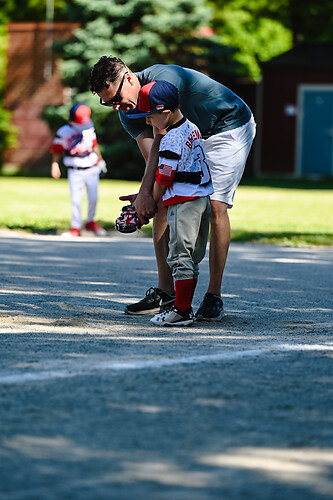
{"type": "Point", "coordinates": [76, 143]}
{"type": "Point", "coordinates": [183, 182]}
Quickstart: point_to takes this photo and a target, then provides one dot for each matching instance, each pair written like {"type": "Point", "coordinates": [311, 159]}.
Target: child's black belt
{"type": "Point", "coordinates": [82, 168]}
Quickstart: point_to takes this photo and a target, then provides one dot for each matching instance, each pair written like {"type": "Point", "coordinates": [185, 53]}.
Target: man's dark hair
{"type": "Point", "coordinates": [107, 69]}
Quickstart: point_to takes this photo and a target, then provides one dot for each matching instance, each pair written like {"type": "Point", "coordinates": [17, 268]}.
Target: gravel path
{"type": "Point", "coordinates": [95, 404]}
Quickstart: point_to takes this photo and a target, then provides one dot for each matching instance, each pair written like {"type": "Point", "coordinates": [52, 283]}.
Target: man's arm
{"type": "Point", "coordinates": [149, 148]}
{"type": "Point", "coordinates": [144, 141]}
{"type": "Point", "coordinates": [148, 142]}
{"type": "Point", "coordinates": [143, 202]}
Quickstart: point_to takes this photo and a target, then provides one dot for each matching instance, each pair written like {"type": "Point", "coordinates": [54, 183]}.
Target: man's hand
{"type": "Point", "coordinates": [144, 205]}
{"type": "Point", "coordinates": [130, 197]}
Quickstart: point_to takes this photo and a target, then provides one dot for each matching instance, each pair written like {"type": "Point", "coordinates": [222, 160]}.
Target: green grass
{"type": "Point", "coordinates": [43, 204]}
{"type": "Point", "coordinates": [285, 216]}
{"type": "Point", "coordinates": [269, 212]}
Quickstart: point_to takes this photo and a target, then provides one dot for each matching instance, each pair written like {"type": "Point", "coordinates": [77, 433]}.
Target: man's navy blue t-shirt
{"type": "Point", "coordinates": [210, 105]}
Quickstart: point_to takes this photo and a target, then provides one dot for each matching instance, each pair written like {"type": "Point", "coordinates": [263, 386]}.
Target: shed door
{"type": "Point", "coordinates": [315, 137]}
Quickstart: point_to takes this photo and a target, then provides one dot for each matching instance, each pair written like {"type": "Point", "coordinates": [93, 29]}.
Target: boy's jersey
{"type": "Point", "coordinates": [213, 107]}
{"type": "Point", "coordinates": [182, 165]}
{"type": "Point", "coordinates": [76, 145]}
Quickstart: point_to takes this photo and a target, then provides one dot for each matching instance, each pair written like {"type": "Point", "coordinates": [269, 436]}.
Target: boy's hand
{"type": "Point", "coordinates": [55, 171]}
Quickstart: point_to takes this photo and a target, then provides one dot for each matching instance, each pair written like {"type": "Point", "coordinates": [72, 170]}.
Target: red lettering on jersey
{"type": "Point", "coordinates": [195, 134]}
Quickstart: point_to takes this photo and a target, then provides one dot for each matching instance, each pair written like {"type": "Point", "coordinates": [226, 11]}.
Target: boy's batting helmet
{"type": "Point", "coordinates": [80, 114]}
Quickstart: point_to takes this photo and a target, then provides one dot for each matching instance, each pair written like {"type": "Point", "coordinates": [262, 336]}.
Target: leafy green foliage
{"type": "Point", "coordinates": [142, 33]}
{"type": "Point", "coordinates": [8, 132]}
{"type": "Point", "coordinates": [30, 10]}
{"type": "Point", "coordinates": [308, 20]}
{"type": "Point", "coordinates": [242, 25]}
{"type": "Point", "coordinates": [262, 29]}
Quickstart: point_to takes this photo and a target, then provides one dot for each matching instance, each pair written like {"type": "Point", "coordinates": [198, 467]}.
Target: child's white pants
{"type": "Point", "coordinates": [88, 177]}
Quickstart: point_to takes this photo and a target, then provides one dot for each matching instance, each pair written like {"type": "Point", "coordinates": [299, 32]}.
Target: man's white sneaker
{"type": "Point", "coordinates": [173, 317]}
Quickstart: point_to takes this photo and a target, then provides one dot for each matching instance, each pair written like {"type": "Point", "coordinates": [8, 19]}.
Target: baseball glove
{"type": "Point", "coordinates": [128, 221]}
{"type": "Point", "coordinates": [102, 168]}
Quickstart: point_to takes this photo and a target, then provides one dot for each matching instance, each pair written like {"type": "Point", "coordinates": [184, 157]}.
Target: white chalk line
{"type": "Point", "coordinates": [76, 369]}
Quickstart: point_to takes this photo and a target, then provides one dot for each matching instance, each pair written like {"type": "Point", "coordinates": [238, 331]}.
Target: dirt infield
{"type": "Point", "coordinates": [95, 404]}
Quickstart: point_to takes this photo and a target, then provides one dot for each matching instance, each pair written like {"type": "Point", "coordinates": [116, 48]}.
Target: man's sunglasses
{"type": "Point", "coordinates": [117, 97]}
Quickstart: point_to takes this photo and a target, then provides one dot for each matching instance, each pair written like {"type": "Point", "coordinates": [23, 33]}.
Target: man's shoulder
{"type": "Point", "coordinates": [168, 72]}
{"type": "Point", "coordinates": [155, 68]}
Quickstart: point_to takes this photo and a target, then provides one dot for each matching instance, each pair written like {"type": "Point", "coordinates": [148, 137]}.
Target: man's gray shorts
{"type": "Point", "coordinates": [227, 153]}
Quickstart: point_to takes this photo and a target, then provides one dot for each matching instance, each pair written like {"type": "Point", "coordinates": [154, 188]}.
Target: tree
{"type": "Point", "coordinates": [308, 20]}
{"type": "Point", "coordinates": [30, 10]}
{"type": "Point", "coordinates": [251, 29]}
{"type": "Point", "coordinates": [8, 132]}
{"type": "Point", "coordinates": [142, 33]}
{"type": "Point", "coordinates": [262, 29]}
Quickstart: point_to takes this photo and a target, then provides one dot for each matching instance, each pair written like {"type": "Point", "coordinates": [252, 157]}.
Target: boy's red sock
{"type": "Point", "coordinates": [184, 293]}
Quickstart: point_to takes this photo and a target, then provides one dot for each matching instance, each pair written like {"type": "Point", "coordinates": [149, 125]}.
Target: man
{"type": "Point", "coordinates": [227, 125]}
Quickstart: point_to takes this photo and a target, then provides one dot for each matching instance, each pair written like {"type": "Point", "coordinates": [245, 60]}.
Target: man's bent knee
{"type": "Point", "coordinates": [219, 210]}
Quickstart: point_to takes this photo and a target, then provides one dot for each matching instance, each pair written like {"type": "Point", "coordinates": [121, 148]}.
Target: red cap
{"type": "Point", "coordinates": [80, 113]}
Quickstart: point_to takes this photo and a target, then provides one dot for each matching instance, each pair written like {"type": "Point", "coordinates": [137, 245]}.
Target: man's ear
{"type": "Point", "coordinates": [130, 78]}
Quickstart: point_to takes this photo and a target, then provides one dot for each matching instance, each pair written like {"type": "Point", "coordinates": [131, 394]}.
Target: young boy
{"type": "Point", "coordinates": [76, 142]}
{"type": "Point", "coordinates": [183, 182]}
